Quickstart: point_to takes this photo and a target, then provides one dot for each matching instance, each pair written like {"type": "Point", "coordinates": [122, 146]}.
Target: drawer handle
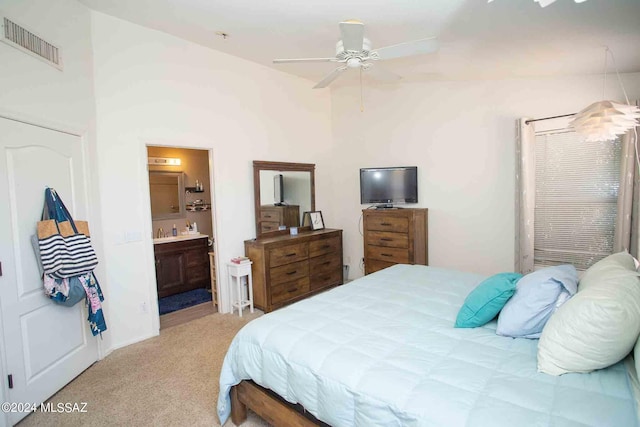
{"type": "Point", "coordinates": [326, 263]}
{"type": "Point", "coordinates": [385, 239]}
{"type": "Point", "coordinates": [386, 254]}
{"type": "Point", "coordinates": [325, 246]}
{"type": "Point", "coordinates": [292, 290]}
{"type": "Point", "coordinates": [267, 216]}
{"type": "Point", "coordinates": [289, 273]}
{"type": "Point", "coordinates": [292, 254]}
{"type": "Point", "coordinates": [385, 223]}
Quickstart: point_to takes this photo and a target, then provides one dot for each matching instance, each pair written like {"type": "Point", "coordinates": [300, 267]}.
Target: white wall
{"type": "Point", "coordinates": [32, 91]}
{"type": "Point", "coordinates": [461, 135]}
{"type": "Point", "coordinates": [31, 87]}
{"type": "Point", "coordinates": [152, 88]}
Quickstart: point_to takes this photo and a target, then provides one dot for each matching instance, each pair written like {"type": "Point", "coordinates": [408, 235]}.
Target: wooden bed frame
{"type": "Point", "coordinates": [269, 406]}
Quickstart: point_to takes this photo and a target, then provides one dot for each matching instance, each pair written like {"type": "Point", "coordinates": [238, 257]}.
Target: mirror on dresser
{"type": "Point", "coordinates": [282, 193]}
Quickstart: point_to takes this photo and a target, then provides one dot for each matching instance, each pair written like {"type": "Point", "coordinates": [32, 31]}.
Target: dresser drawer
{"type": "Point", "coordinates": [388, 239]}
{"type": "Point", "coordinates": [289, 272]}
{"type": "Point", "coordinates": [396, 255]}
{"type": "Point", "coordinates": [266, 226]}
{"type": "Point", "coordinates": [387, 223]}
{"type": "Point", "coordinates": [274, 215]}
{"type": "Point", "coordinates": [324, 246]}
{"type": "Point", "coordinates": [324, 279]}
{"type": "Point", "coordinates": [374, 265]}
{"type": "Point", "coordinates": [289, 290]}
{"type": "Point", "coordinates": [288, 254]}
{"type": "Point", "coordinates": [324, 263]}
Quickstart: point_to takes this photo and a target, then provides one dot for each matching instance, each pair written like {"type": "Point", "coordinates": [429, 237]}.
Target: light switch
{"type": "Point", "coordinates": [132, 236]}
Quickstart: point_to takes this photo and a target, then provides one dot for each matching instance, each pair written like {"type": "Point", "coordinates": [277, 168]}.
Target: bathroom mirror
{"type": "Point", "coordinates": [167, 195]}
{"type": "Point", "coordinates": [282, 193]}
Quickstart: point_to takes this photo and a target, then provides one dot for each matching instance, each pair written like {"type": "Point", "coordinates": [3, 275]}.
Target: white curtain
{"type": "Point", "coordinates": [525, 196]}
{"type": "Point", "coordinates": [626, 231]}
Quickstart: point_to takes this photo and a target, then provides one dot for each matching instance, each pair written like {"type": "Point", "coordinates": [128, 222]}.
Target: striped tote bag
{"type": "Point", "coordinates": [65, 244]}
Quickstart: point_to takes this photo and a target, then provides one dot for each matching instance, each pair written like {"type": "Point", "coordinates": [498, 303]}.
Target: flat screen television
{"type": "Point", "coordinates": [389, 185]}
{"type": "Point", "coordinates": [278, 189]}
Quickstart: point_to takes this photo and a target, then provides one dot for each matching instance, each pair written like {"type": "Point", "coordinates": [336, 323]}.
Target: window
{"type": "Point", "coordinates": [576, 199]}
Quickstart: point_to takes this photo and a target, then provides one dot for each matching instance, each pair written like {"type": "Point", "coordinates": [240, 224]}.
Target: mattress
{"type": "Point", "coordinates": [382, 351]}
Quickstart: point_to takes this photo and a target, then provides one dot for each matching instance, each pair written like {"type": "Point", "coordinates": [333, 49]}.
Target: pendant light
{"type": "Point", "coordinates": [606, 120]}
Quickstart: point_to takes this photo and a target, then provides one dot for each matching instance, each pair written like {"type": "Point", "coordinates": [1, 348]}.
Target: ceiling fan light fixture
{"type": "Point", "coordinates": [354, 63]}
{"type": "Point", "coordinates": [545, 3]}
{"type": "Point", "coordinates": [353, 50]}
{"type": "Point", "coordinates": [366, 46]}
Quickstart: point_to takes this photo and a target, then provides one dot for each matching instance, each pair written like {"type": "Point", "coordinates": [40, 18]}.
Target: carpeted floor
{"type": "Point", "coordinates": [169, 380]}
{"type": "Point", "coordinates": [183, 300]}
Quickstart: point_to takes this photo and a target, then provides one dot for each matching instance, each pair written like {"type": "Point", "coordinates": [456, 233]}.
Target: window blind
{"type": "Point", "coordinates": [576, 199]}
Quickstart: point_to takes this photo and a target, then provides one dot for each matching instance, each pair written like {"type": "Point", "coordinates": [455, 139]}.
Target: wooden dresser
{"type": "Point", "coordinates": [271, 217]}
{"type": "Point", "coordinates": [289, 268]}
{"type": "Point", "coordinates": [394, 236]}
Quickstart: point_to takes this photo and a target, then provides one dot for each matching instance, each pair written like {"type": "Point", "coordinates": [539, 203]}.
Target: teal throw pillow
{"type": "Point", "coordinates": [486, 300]}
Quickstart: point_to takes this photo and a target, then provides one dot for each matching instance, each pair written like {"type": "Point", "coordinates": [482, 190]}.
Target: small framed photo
{"type": "Point", "coordinates": [313, 219]}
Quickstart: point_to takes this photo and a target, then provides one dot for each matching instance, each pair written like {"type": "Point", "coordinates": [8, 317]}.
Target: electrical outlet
{"type": "Point", "coordinates": [143, 307]}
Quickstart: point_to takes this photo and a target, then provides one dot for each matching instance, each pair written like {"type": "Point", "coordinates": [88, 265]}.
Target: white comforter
{"type": "Point", "coordinates": [382, 350]}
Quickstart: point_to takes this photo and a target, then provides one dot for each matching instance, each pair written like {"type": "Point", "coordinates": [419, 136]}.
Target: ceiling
{"type": "Point", "coordinates": [479, 40]}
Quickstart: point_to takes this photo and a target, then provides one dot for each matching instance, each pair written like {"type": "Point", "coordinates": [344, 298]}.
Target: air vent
{"type": "Point", "coordinates": [26, 41]}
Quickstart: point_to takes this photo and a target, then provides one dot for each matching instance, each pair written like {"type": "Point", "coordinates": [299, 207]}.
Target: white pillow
{"type": "Point", "coordinates": [538, 295]}
{"type": "Point", "coordinates": [636, 358]}
{"type": "Point", "coordinates": [596, 328]}
{"type": "Point", "coordinates": [602, 268]}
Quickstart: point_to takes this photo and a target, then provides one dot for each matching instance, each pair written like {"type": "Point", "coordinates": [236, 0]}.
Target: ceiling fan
{"type": "Point", "coordinates": [354, 51]}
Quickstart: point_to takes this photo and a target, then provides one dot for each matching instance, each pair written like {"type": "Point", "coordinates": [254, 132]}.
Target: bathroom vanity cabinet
{"type": "Point", "coordinates": [182, 265]}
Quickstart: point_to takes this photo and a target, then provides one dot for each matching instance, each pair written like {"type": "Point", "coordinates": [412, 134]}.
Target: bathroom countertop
{"type": "Point", "coordinates": [179, 238]}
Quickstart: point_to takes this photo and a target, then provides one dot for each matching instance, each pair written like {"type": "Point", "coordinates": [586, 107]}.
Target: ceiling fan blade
{"type": "Point", "coordinates": [284, 61]}
{"type": "Point", "coordinates": [382, 74]}
{"type": "Point", "coordinates": [352, 32]}
{"type": "Point", "coordinates": [330, 77]}
{"type": "Point", "coordinates": [416, 47]}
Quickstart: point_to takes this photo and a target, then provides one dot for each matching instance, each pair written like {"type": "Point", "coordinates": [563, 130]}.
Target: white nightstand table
{"type": "Point", "coordinates": [239, 271]}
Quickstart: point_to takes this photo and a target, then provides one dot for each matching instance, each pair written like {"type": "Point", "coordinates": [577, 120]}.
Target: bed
{"type": "Point", "coordinates": [382, 350]}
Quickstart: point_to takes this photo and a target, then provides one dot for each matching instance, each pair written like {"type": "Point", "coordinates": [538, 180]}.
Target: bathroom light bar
{"type": "Point", "coordinates": [164, 161]}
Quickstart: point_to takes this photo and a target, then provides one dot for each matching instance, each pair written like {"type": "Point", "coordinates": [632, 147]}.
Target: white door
{"type": "Point", "coordinates": [45, 345]}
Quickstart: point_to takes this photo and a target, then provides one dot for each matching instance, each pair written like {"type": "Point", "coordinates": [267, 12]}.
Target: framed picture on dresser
{"type": "Point", "coordinates": [313, 219]}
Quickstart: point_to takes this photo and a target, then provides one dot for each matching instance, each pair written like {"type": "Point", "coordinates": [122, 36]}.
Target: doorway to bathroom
{"type": "Point", "coordinates": [182, 219]}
